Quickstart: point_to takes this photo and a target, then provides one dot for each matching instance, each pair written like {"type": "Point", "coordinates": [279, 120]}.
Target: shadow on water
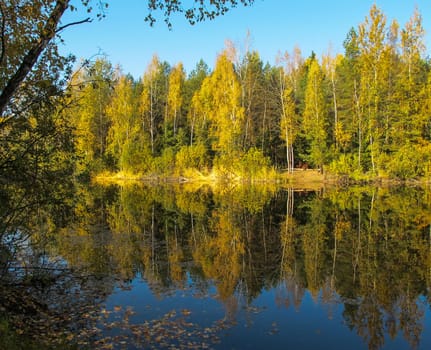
{"type": "Point", "coordinates": [231, 267]}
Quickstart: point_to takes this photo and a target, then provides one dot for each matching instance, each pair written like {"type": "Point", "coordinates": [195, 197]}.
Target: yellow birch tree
{"type": "Point", "coordinates": [175, 96]}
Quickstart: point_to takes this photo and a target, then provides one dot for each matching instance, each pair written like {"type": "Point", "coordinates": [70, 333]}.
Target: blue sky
{"type": "Point", "coordinates": [274, 25]}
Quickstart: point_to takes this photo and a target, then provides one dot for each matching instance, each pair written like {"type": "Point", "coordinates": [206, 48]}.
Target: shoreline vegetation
{"type": "Point", "coordinates": [309, 179]}
{"type": "Point", "coordinates": [304, 179]}
{"type": "Point", "coordinates": [300, 176]}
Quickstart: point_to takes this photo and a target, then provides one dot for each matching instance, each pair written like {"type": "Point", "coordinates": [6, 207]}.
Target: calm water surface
{"type": "Point", "coordinates": [244, 267]}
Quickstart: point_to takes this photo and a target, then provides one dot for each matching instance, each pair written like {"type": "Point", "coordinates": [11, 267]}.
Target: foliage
{"type": "Point", "coordinates": [410, 162]}
{"type": "Point", "coordinates": [191, 157]}
{"type": "Point", "coordinates": [254, 165]}
{"type": "Point", "coordinates": [165, 163]}
{"type": "Point", "coordinates": [346, 165]}
{"type": "Point", "coordinates": [198, 11]}
{"type": "Point", "coordinates": [90, 92]}
{"type": "Point", "coordinates": [36, 138]}
{"type": "Point", "coordinates": [220, 103]}
{"type": "Point", "coordinates": [357, 112]}
{"type": "Point", "coordinates": [175, 98]}
{"type": "Point", "coordinates": [314, 118]}
{"type": "Point", "coordinates": [34, 75]}
{"type": "Point", "coordinates": [359, 115]}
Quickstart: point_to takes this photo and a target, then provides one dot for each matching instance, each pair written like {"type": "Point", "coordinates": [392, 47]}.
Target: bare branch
{"type": "Point", "coordinates": [87, 20]}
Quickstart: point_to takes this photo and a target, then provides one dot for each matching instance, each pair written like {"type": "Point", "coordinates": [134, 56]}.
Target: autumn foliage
{"type": "Point", "coordinates": [362, 114]}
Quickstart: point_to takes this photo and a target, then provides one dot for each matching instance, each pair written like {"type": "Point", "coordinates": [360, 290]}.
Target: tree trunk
{"type": "Point", "coordinates": [29, 60]}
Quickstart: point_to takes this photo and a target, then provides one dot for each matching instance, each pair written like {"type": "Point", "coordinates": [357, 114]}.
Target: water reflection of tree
{"type": "Point", "coordinates": [292, 290]}
{"type": "Point", "coordinates": [366, 248]}
{"type": "Point", "coordinates": [43, 303]}
{"type": "Point", "coordinates": [382, 252]}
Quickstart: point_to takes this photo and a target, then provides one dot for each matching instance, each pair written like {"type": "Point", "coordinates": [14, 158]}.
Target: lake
{"type": "Point", "coordinates": [226, 267]}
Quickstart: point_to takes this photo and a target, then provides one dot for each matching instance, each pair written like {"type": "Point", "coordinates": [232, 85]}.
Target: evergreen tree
{"type": "Point", "coordinates": [315, 116]}
{"type": "Point", "coordinates": [192, 86]}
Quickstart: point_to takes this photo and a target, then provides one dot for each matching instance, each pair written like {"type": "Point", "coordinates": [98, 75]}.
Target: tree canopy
{"type": "Point", "coordinates": [361, 114]}
{"type": "Point", "coordinates": [29, 29]}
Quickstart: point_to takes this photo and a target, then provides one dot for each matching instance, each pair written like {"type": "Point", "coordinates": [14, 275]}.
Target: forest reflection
{"type": "Point", "coordinates": [366, 248]}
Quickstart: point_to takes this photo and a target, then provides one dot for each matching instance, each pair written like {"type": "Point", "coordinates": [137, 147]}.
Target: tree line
{"type": "Point", "coordinates": [364, 113]}
{"type": "Point", "coordinates": [36, 142]}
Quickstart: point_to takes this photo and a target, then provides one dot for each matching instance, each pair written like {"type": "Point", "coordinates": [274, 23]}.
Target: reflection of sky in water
{"type": "Point", "coordinates": [264, 324]}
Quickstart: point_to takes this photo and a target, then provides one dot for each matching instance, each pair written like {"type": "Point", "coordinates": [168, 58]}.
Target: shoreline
{"type": "Point", "coordinates": [305, 178]}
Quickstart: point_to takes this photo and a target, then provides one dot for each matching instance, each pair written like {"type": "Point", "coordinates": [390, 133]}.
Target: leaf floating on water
{"type": "Point", "coordinates": [129, 311]}
{"type": "Point", "coordinates": [159, 339]}
{"type": "Point", "coordinates": [171, 314]}
{"type": "Point", "coordinates": [186, 312]}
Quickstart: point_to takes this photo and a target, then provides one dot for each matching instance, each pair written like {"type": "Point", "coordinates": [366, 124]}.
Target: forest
{"type": "Point", "coordinates": [66, 246]}
{"type": "Point", "coordinates": [364, 114]}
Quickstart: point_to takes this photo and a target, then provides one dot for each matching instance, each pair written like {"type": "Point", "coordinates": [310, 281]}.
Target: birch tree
{"type": "Point", "coordinates": [92, 90]}
{"type": "Point", "coordinates": [288, 80]}
{"type": "Point", "coordinates": [371, 40]}
{"type": "Point", "coordinates": [175, 96]}
{"type": "Point", "coordinates": [220, 100]}
{"type": "Point", "coordinates": [152, 101]}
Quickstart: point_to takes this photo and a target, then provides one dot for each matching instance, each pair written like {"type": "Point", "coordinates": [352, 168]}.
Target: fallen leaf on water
{"type": "Point", "coordinates": [186, 312]}
{"type": "Point", "coordinates": [129, 311]}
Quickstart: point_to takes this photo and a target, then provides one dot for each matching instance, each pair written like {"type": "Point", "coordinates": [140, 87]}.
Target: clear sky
{"type": "Point", "coordinates": [274, 26]}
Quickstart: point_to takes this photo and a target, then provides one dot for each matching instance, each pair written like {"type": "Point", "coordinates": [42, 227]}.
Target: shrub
{"type": "Point", "coordinates": [410, 162]}
{"type": "Point", "coordinates": [346, 165]}
{"type": "Point", "coordinates": [191, 157]}
{"type": "Point", "coordinates": [165, 164]}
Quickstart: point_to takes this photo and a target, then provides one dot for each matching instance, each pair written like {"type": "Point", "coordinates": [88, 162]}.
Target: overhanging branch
{"type": "Point", "coordinates": [87, 20]}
